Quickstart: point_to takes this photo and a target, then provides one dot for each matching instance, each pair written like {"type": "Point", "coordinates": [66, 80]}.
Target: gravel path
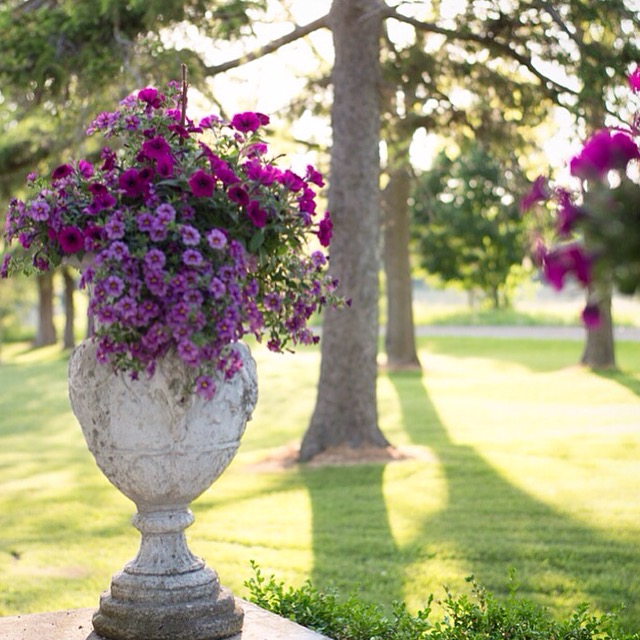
{"type": "Point", "coordinates": [539, 332]}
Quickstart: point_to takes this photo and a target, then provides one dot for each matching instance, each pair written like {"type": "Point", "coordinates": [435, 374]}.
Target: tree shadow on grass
{"type": "Point", "coordinates": [352, 533]}
{"type": "Point", "coordinates": [624, 379]}
{"type": "Point", "coordinates": [494, 526]}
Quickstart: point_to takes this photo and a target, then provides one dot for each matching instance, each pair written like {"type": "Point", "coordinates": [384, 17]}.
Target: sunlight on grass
{"type": "Point", "coordinates": [523, 460]}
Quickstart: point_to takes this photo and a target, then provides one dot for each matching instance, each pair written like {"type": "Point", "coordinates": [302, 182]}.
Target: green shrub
{"type": "Point", "coordinates": [476, 617]}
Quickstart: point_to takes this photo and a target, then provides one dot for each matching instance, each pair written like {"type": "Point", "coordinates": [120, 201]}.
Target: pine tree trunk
{"type": "Point", "coordinates": [599, 350]}
{"type": "Point", "coordinates": [46, 331]}
{"type": "Point", "coordinates": [400, 343]}
{"type": "Point", "coordinates": [346, 406]}
{"type": "Point", "coordinates": [69, 340]}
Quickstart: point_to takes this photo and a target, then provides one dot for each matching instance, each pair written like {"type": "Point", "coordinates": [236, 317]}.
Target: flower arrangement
{"type": "Point", "coordinates": [597, 224]}
{"type": "Point", "coordinates": [189, 237]}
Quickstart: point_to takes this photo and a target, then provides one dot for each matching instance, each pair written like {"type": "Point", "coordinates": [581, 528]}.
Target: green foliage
{"type": "Point", "coordinates": [480, 616]}
{"type": "Point", "coordinates": [333, 616]}
{"type": "Point", "coordinates": [467, 224]}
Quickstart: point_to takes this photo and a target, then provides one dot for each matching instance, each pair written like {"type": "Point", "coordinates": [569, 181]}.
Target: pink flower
{"type": "Point", "coordinates": [202, 184]}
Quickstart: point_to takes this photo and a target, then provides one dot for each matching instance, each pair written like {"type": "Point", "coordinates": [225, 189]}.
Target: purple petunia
{"type": "Point", "coordinates": [217, 239]}
{"type": "Point", "coordinates": [192, 258]}
{"type": "Point", "coordinates": [190, 235]}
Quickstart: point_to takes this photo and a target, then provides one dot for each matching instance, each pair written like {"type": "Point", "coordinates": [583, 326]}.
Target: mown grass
{"type": "Point", "coordinates": [523, 460]}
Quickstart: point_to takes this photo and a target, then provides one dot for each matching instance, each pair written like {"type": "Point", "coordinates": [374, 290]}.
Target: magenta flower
{"type": "Point", "coordinates": [61, 172]}
{"type": "Point", "coordinates": [156, 148]}
{"type": "Point", "coordinates": [71, 239]}
{"type": "Point", "coordinates": [150, 96]}
{"type": "Point", "coordinates": [129, 181]}
{"type": "Point", "coordinates": [565, 260]}
{"type": "Point", "coordinates": [85, 168]}
{"type": "Point", "coordinates": [257, 215]}
{"type": "Point", "coordinates": [202, 184]}
{"type": "Point", "coordinates": [591, 316]}
{"type": "Point", "coordinates": [634, 79]}
{"type": "Point", "coordinates": [325, 230]}
{"type": "Point", "coordinates": [539, 192]}
{"type": "Point", "coordinates": [237, 194]}
{"type": "Point", "coordinates": [164, 166]}
{"type": "Point", "coordinates": [567, 214]}
{"type": "Point", "coordinates": [602, 153]}
{"type": "Point", "coordinates": [314, 176]}
{"type": "Point", "coordinates": [291, 180]}
{"type": "Point", "coordinates": [246, 122]}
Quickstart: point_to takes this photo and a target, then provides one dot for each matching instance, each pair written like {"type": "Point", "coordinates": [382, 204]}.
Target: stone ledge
{"type": "Point", "coordinates": [75, 624]}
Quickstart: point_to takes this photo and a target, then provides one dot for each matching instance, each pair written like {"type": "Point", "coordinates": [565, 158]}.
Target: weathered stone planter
{"type": "Point", "coordinates": [162, 450]}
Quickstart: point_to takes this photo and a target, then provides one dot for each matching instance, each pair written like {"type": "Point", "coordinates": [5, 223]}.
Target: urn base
{"type": "Point", "coordinates": [206, 618]}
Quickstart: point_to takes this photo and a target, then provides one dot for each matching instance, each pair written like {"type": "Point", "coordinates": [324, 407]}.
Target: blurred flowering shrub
{"type": "Point", "coordinates": [597, 225]}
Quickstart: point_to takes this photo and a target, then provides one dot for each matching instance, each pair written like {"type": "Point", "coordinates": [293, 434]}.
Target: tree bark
{"type": "Point", "coordinates": [599, 350]}
{"type": "Point", "coordinates": [46, 331]}
{"type": "Point", "coordinates": [346, 406]}
{"type": "Point", "coordinates": [400, 343]}
{"type": "Point", "coordinates": [69, 340]}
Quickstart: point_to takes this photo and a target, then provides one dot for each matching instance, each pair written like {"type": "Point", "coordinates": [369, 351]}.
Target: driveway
{"type": "Point", "coordinates": [538, 332]}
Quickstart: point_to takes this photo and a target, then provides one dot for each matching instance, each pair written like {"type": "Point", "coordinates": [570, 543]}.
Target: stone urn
{"type": "Point", "coordinates": [162, 449]}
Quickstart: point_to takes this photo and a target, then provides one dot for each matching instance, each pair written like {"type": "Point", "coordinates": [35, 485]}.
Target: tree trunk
{"type": "Point", "coordinates": [46, 331]}
{"type": "Point", "coordinates": [69, 340]}
{"type": "Point", "coordinates": [400, 343]}
{"type": "Point", "coordinates": [346, 407]}
{"type": "Point", "coordinates": [599, 352]}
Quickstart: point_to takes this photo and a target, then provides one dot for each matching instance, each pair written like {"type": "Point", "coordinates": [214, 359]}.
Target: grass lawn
{"type": "Point", "coordinates": [524, 461]}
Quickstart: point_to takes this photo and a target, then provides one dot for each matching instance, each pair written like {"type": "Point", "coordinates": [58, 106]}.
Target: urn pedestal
{"type": "Point", "coordinates": [162, 449]}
